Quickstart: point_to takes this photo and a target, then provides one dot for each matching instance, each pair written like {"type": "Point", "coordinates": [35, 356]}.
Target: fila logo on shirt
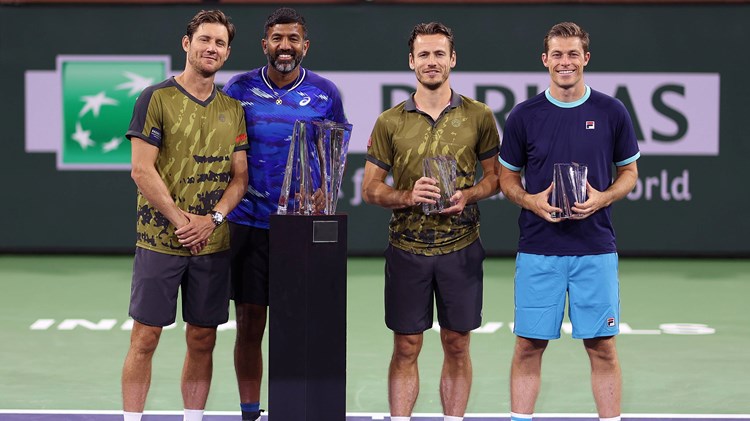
{"type": "Point", "coordinates": [590, 124]}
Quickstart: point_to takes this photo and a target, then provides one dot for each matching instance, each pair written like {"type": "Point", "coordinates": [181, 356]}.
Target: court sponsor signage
{"type": "Point", "coordinates": [81, 110]}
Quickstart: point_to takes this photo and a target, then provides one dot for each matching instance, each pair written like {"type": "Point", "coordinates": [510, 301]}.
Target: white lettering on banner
{"type": "Point", "coordinates": [673, 113]}
{"type": "Point", "coordinates": [647, 187]}
{"type": "Point", "coordinates": [359, 175]}
{"type": "Point", "coordinates": [488, 327]}
{"type": "Point", "coordinates": [677, 188]}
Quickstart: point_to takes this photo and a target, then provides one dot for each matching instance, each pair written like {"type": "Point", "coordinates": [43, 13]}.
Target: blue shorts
{"type": "Point", "coordinates": [592, 287]}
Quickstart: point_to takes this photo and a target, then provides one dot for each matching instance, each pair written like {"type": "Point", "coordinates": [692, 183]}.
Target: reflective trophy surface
{"type": "Point", "coordinates": [442, 169]}
{"type": "Point", "coordinates": [314, 168]}
{"type": "Point", "coordinates": [569, 187]}
{"type": "Point", "coordinates": [307, 279]}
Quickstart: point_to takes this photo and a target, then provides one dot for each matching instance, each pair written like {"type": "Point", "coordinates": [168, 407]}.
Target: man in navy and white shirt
{"type": "Point", "coordinates": [575, 257]}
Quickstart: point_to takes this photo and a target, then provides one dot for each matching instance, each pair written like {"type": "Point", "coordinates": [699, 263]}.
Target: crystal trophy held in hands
{"type": "Point", "coordinates": [569, 188]}
{"type": "Point", "coordinates": [314, 168]}
{"type": "Point", "coordinates": [443, 170]}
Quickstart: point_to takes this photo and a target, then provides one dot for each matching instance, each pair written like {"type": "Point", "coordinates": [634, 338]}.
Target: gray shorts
{"type": "Point", "coordinates": [250, 260]}
{"type": "Point", "coordinates": [157, 278]}
{"type": "Point", "coordinates": [415, 283]}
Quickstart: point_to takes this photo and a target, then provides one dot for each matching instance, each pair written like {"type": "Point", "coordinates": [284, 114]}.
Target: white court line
{"type": "Point", "coordinates": [382, 415]}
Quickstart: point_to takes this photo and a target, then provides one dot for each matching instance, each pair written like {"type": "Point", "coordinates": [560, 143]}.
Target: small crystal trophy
{"type": "Point", "coordinates": [569, 187]}
{"type": "Point", "coordinates": [314, 168]}
{"type": "Point", "coordinates": [442, 169]}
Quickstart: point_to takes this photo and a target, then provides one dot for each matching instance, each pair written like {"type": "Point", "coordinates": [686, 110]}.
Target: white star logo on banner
{"type": "Point", "coordinates": [83, 137]}
{"type": "Point", "coordinates": [136, 84]}
{"type": "Point", "coordinates": [94, 103]}
{"type": "Point", "coordinates": [112, 144]}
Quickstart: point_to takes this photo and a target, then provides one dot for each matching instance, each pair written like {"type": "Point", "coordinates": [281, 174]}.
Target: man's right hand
{"type": "Point", "coordinates": [194, 235]}
{"type": "Point", "coordinates": [539, 204]}
{"type": "Point", "coordinates": [425, 191]}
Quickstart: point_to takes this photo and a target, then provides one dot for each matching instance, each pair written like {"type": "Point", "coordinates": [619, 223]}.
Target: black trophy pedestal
{"type": "Point", "coordinates": [307, 318]}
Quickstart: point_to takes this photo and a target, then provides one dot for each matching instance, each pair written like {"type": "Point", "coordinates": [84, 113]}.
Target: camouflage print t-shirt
{"type": "Point", "coordinates": [196, 140]}
{"type": "Point", "coordinates": [402, 137]}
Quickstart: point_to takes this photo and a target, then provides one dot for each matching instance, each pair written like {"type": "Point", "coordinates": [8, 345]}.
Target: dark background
{"type": "Point", "coordinates": [46, 210]}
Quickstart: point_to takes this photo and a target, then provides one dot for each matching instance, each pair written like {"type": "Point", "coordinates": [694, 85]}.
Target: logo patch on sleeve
{"type": "Point", "coordinates": [155, 134]}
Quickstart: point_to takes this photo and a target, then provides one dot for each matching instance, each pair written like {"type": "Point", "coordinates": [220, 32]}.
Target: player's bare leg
{"type": "Point", "coordinates": [455, 379]}
{"type": "Point", "coordinates": [403, 374]}
{"type": "Point", "coordinates": [526, 374]}
{"type": "Point", "coordinates": [136, 372]}
{"type": "Point", "coordinates": [248, 355]}
{"type": "Point", "coordinates": [606, 377]}
{"type": "Point", "coordinates": [198, 367]}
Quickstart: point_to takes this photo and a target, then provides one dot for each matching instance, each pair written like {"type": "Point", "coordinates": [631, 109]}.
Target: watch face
{"type": "Point", "coordinates": [217, 217]}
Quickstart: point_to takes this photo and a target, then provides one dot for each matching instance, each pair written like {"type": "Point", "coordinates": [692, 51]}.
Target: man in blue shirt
{"type": "Point", "coordinates": [273, 98]}
{"type": "Point", "coordinates": [577, 257]}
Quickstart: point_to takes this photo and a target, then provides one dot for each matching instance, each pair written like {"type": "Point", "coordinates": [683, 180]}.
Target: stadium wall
{"type": "Point", "coordinates": [680, 69]}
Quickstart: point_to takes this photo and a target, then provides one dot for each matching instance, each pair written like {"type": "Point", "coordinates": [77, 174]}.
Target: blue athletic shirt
{"type": "Point", "coordinates": [596, 131]}
{"type": "Point", "coordinates": [269, 131]}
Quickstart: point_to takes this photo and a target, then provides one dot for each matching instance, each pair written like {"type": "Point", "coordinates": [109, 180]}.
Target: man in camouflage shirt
{"type": "Point", "coordinates": [434, 257]}
{"type": "Point", "coordinates": [188, 154]}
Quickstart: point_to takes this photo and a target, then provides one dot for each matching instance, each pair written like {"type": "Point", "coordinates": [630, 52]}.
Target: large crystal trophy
{"type": "Point", "coordinates": [314, 168]}
{"type": "Point", "coordinates": [443, 170]}
{"type": "Point", "coordinates": [569, 187]}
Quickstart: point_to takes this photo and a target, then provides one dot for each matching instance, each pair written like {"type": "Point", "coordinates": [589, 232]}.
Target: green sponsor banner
{"type": "Point", "coordinates": [98, 95]}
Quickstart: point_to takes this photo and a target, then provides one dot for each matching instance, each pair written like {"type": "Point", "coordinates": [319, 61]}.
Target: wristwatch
{"type": "Point", "coordinates": [217, 217]}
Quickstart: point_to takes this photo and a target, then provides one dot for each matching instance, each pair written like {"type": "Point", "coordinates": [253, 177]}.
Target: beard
{"type": "Point", "coordinates": [431, 84]}
{"type": "Point", "coordinates": [285, 66]}
{"type": "Point", "coordinates": [196, 64]}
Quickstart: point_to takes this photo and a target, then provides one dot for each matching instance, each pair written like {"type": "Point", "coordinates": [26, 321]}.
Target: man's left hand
{"type": "Point", "coordinates": [595, 200]}
{"type": "Point", "coordinates": [459, 202]}
{"type": "Point", "coordinates": [195, 234]}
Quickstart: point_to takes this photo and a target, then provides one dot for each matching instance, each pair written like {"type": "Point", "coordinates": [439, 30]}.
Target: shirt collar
{"type": "Point", "coordinates": [410, 105]}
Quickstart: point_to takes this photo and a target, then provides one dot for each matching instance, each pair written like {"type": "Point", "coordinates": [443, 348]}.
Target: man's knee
{"type": "Point", "coordinates": [144, 339]}
{"type": "Point", "coordinates": [406, 348]}
{"type": "Point", "coordinates": [601, 350]}
{"type": "Point", "coordinates": [201, 339]}
{"type": "Point", "coordinates": [251, 322]}
{"type": "Point", "coordinates": [455, 344]}
{"type": "Point", "coordinates": [527, 348]}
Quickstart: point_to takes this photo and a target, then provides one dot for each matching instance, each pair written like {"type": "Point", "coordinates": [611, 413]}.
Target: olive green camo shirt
{"type": "Point", "coordinates": [196, 140]}
{"type": "Point", "coordinates": [402, 137]}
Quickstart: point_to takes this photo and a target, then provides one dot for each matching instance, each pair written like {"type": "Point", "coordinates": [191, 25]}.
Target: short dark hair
{"type": "Point", "coordinates": [567, 30]}
{"type": "Point", "coordinates": [210, 16]}
{"type": "Point", "coordinates": [432, 28]}
{"type": "Point", "coordinates": [284, 15]}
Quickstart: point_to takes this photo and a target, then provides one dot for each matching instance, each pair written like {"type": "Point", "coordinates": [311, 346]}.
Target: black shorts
{"type": "Point", "coordinates": [413, 283]}
{"type": "Point", "coordinates": [249, 264]}
{"type": "Point", "coordinates": [157, 278]}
